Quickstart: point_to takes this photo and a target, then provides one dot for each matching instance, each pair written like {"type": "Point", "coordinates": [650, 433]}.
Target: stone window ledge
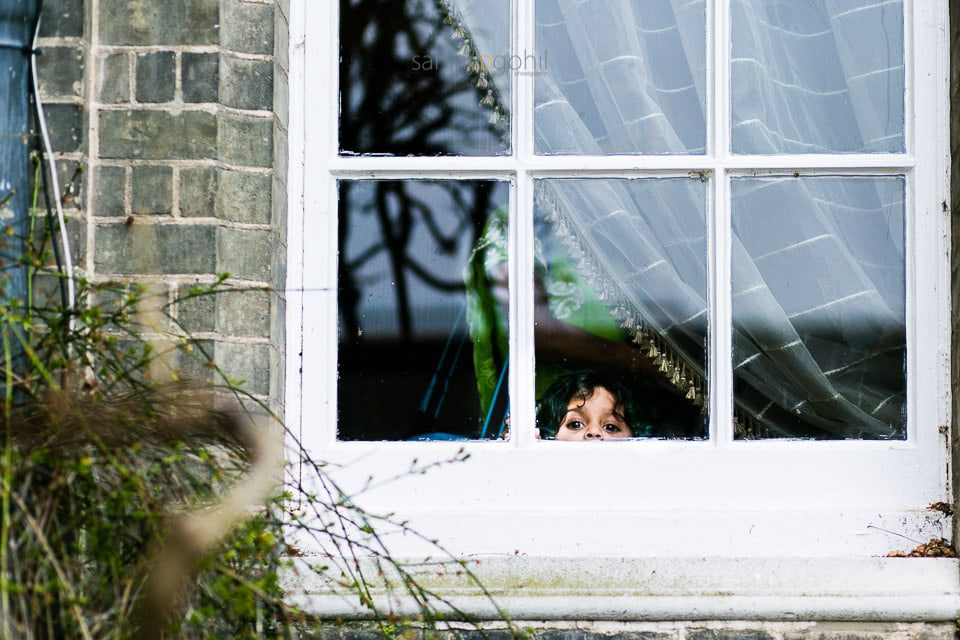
{"type": "Point", "coordinates": [638, 589]}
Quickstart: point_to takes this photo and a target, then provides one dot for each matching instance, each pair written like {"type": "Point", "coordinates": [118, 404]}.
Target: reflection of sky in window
{"type": "Point", "coordinates": [433, 312]}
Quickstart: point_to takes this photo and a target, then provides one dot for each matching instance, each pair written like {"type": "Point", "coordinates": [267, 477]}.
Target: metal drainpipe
{"type": "Point", "coordinates": [18, 19]}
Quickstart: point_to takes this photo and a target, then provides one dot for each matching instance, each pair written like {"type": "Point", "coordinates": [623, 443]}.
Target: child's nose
{"type": "Point", "coordinates": [593, 433]}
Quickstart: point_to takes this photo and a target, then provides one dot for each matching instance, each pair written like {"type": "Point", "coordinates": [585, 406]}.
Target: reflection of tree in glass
{"type": "Point", "coordinates": [391, 104]}
{"type": "Point", "coordinates": [398, 211]}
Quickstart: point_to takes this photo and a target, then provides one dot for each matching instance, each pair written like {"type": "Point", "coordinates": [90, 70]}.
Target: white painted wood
{"type": "Point", "coordinates": [293, 293]}
{"type": "Point", "coordinates": [719, 226]}
{"type": "Point", "coordinates": [318, 220]}
{"type": "Point", "coordinates": [457, 166]}
{"type": "Point", "coordinates": [522, 361]}
{"type": "Point", "coordinates": [721, 301]}
{"type": "Point", "coordinates": [807, 498]}
{"type": "Point", "coordinates": [930, 299]}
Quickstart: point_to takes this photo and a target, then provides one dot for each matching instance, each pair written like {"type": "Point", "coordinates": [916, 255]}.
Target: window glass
{"type": "Point", "coordinates": [819, 342]}
{"type": "Point", "coordinates": [621, 291]}
{"type": "Point", "coordinates": [419, 77]}
{"type": "Point", "coordinates": [819, 76]}
{"type": "Point", "coordinates": [422, 321]}
{"type": "Point", "coordinates": [620, 76]}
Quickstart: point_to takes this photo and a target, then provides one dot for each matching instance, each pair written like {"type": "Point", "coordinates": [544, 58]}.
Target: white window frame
{"type": "Point", "coordinates": [760, 502]}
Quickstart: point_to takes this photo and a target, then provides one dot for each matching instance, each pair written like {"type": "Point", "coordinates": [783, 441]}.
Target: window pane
{"type": "Point", "coordinates": [621, 290]}
{"type": "Point", "coordinates": [419, 77]}
{"type": "Point", "coordinates": [819, 342]}
{"type": "Point", "coordinates": [422, 323]}
{"type": "Point", "coordinates": [620, 76]}
{"type": "Point", "coordinates": [820, 76]}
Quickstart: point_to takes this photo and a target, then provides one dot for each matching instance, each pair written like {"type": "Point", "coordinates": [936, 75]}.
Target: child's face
{"type": "Point", "coordinates": [593, 419]}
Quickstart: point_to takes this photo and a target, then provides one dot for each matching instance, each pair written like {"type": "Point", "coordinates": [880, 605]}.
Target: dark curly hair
{"type": "Point", "coordinates": [581, 384]}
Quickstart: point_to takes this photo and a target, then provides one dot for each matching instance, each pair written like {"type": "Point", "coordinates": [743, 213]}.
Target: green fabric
{"type": "Point", "coordinates": [569, 297]}
{"type": "Point", "coordinates": [486, 322]}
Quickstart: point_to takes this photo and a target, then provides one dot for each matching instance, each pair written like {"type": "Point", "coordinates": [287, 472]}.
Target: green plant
{"type": "Point", "coordinates": [122, 506]}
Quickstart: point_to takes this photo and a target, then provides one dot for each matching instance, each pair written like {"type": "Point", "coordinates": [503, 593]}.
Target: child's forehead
{"type": "Point", "coordinates": [583, 395]}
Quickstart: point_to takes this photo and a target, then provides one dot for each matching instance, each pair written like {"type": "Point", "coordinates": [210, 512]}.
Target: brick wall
{"type": "Point", "coordinates": [169, 107]}
{"type": "Point", "coordinates": [62, 74]}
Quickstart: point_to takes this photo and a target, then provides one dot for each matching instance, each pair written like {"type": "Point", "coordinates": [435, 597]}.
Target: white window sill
{"type": "Point", "coordinates": [629, 589]}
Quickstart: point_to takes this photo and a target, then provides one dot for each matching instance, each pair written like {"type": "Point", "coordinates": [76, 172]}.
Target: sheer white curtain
{"type": "Point", "coordinates": [818, 262]}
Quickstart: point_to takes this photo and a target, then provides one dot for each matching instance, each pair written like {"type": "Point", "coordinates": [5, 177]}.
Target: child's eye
{"type": "Point", "coordinates": [574, 425]}
{"type": "Point", "coordinates": [612, 428]}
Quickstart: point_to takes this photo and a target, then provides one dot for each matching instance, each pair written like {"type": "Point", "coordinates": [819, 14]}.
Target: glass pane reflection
{"type": "Point", "coordinates": [620, 76]}
{"type": "Point", "coordinates": [422, 324]}
{"type": "Point", "coordinates": [621, 290]}
{"type": "Point", "coordinates": [819, 340]}
{"type": "Point", "coordinates": [426, 78]}
{"type": "Point", "coordinates": [820, 76]}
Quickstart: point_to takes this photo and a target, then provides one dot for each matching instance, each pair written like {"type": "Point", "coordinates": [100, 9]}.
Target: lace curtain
{"type": "Point", "coordinates": [817, 262]}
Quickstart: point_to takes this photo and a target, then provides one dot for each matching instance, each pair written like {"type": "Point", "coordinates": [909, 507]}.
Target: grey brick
{"type": "Point", "coordinates": [327, 632]}
{"type": "Point", "coordinates": [246, 84]}
{"type": "Point", "coordinates": [152, 190]}
{"type": "Point", "coordinates": [351, 634]}
{"type": "Point", "coordinates": [246, 364]}
{"type": "Point", "coordinates": [200, 77]}
{"type": "Point", "coordinates": [193, 363]}
{"type": "Point", "coordinates": [46, 290]}
{"type": "Point", "coordinates": [73, 183]}
{"type": "Point", "coordinates": [155, 249]}
{"type": "Point", "coordinates": [120, 249]}
{"type": "Point", "coordinates": [61, 18]}
{"type": "Point", "coordinates": [280, 150]}
{"type": "Point", "coordinates": [156, 76]}
{"type": "Point", "coordinates": [279, 217]}
{"type": "Point", "coordinates": [158, 135]}
{"type": "Point", "coordinates": [281, 42]}
{"type": "Point", "coordinates": [196, 312]}
{"type": "Point", "coordinates": [76, 235]}
{"type": "Point", "coordinates": [65, 123]}
{"type": "Point", "coordinates": [487, 634]}
{"type": "Point", "coordinates": [71, 179]}
{"type": "Point", "coordinates": [146, 304]}
{"type": "Point", "coordinates": [728, 634]}
{"type": "Point", "coordinates": [61, 71]}
{"type": "Point", "coordinates": [245, 253]}
{"type": "Point", "coordinates": [198, 191]}
{"type": "Point", "coordinates": [112, 297]}
{"type": "Point", "coordinates": [187, 249]}
{"type": "Point", "coordinates": [244, 312]}
{"type": "Point", "coordinates": [278, 267]}
{"type": "Point", "coordinates": [245, 141]}
{"type": "Point", "coordinates": [108, 191]}
{"type": "Point", "coordinates": [278, 339]}
{"type": "Point", "coordinates": [278, 325]}
{"type": "Point", "coordinates": [844, 631]}
{"type": "Point", "coordinates": [562, 634]}
{"type": "Point", "coordinates": [244, 197]}
{"type": "Point", "coordinates": [148, 22]}
{"type": "Point", "coordinates": [278, 382]}
{"type": "Point", "coordinates": [281, 98]}
{"type": "Point", "coordinates": [113, 79]}
{"type": "Point", "coordinates": [247, 27]}
{"type": "Point", "coordinates": [862, 635]}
